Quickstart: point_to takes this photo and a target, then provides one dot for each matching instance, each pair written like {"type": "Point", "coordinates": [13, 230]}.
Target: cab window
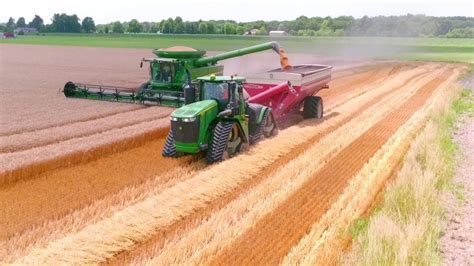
{"type": "Point", "coordinates": [218, 91]}
{"type": "Point", "coordinates": [165, 72]}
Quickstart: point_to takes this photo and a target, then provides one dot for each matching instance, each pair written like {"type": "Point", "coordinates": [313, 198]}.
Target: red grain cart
{"type": "Point", "coordinates": [289, 91]}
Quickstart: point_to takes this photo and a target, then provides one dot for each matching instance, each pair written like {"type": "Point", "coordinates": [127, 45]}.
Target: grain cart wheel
{"type": "Point", "coordinates": [270, 128]}
{"type": "Point", "coordinates": [169, 150]}
{"type": "Point", "coordinates": [255, 135]}
{"type": "Point", "coordinates": [313, 107]}
{"type": "Point", "coordinates": [226, 141]}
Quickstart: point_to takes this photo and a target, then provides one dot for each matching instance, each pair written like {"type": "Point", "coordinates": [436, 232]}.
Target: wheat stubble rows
{"type": "Point", "coordinates": [132, 205]}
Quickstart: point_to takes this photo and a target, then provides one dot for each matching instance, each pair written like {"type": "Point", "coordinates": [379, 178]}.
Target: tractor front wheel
{"type": "Point", "coordinates": [226, 141]}
{"type": "Point", "coordinates": [313, 107]}
{"type": "Point", "coordinates": [169, 150]}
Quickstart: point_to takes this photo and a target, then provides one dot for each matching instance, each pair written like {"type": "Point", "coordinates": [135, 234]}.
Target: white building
{"type": "Point", "coordinates": [277, 33]}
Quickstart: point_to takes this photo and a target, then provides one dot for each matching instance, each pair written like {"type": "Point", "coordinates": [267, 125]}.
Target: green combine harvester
{"type": "Point", "coordinates": [170, 71]}
{"type": "Point", "coordinates": [222, 123]}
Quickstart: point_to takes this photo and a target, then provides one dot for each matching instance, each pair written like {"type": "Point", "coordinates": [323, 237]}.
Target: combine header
{"type": "Point", "coordinates": [170, 71]}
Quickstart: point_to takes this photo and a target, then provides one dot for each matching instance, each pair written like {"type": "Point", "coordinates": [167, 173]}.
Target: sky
{"type": "Point", "coordinates": [104, 11]}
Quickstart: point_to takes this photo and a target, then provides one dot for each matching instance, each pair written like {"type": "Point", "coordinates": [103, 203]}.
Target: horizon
{"type": "Point", "coordinates": [239, 11]}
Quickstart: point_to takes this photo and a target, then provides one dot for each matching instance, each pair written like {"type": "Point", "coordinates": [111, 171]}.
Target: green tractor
{"type": "Point", "coordinates": [222, 123]}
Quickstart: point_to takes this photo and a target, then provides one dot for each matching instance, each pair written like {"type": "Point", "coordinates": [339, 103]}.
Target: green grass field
{"type": "Point", "coordinates": [435, 49]}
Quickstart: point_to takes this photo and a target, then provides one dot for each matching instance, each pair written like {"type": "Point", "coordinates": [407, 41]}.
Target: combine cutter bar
{"type": "Point", "coordinates": [123, 94]}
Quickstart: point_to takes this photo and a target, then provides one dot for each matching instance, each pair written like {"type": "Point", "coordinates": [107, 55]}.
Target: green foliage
{"type": "Point", "coordinates": [37, 23]}
{"type": "Point", "coordinates": [106, 29]}
{"type": "Point", "coordinates": [203, 27]}
{"type": "Point", "coordinates": [155, 27]}
{"type": "Point", "coordinates": [65, 23]}
{"type": "Point", "coordinates": [134, 26]}
{"type": "Point", "coordinates": [240, 30]}
{"type": "Point", "coordinates": [167, 26]}
{"type": "Point", "coordinates": [88, 25]}
{"type": "Point", "coordinates": [117, 27]}
{"type": "Point", "coordinates": [10, 27]}
{"type": "Point", "coordinates": [359, 227]}
{"type": "Point", "coordinates": [262, 31]}
{"type": "Point", "coordinates": [178, 27]}
{"type": "Point", "coordinates": [457, 33]}
{"type": "Point", "coordinates": [229, 28]}
{"type": "Point", "coordinates": [21, 22]}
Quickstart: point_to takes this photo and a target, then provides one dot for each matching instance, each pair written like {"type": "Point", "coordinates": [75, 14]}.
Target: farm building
{"type": "Point", "coordinates": [277, 33]}
{"type": "Point", "coordinates": [26, 30]}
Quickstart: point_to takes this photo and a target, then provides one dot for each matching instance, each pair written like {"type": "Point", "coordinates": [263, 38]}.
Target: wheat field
{"type": "Point", "coordinates": [95, 189]}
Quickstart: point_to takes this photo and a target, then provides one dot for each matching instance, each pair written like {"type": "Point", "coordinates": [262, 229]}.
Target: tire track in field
{"type": "Point", "coordinates": [273, 236]}
{"type": "Point", "coordinates": [191, 220]}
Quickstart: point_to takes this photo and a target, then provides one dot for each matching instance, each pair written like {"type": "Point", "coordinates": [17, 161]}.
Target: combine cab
{"type": "Point", "coordinates": [169, 72]}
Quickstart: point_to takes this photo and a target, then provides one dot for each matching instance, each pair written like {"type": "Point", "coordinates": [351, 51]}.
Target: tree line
{"type": "Point", "coordinates": [393, 26]}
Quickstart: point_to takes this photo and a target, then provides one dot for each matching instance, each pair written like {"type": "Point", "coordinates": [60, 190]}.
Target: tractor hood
{"type": "Point", "coordinates": [193, 109]}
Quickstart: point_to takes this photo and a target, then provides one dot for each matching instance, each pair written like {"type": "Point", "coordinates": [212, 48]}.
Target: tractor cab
{"type": "Point", "coordinates": [227, 91]}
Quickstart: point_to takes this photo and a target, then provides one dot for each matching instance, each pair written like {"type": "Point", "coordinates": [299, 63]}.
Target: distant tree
{"type": "Point", "coordinates": [262, 31]}
{"type": "Point", "coordinates": [117, 27]}
{"type": "Point", "coordinates": [10, 26]}
{"type": "Point", "coordinates": [191, 27]}
{"type": "Point", "coordinates": [134, 26]}
{"type": "Point", "coordinates": [167, 27]}
{"type": "Point", "coordinates": [203, 27]}
{"type": "Point", "coordinates": [155, 27]}
{"type": "Point", "coordinates": [461, 33]}
{"type": "Point", "coordinates": [240, 30]}
{"type": "Point", "coordinates": [229, 28]}
{"type": "Point", "coordinates": [210, 28]}
{"type": "Point", "coordinates": [37, 23]}
{"type": "Point", "coordinates": [65, 23]}
{"type": "Point", "coordinates": [146, 26]}
{"type": "Point", "coordinates": [21, 22]}
{"type": "Point", "coordinates": [88, 25]}
{"type": "Point", "coordinates": [178, 26]}
{"type": "Point", "coordinates": [106, 29]}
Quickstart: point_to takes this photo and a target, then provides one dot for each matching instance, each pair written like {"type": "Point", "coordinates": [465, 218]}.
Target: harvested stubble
{"type": "Point", "coordinates": [42, 137]}
{"type": "Point", "coordinates": [199, 245]}
{"type": "Point", "coordinates": [77, 110]}
{"type": "Point", "coordinates": [187, 188]}
{"type": "Point", "coordinates": [30, 163]}
{"type": "Point", "coordinates": [272, 237]}
{"type": "Point", "coordinates": [324, 243]}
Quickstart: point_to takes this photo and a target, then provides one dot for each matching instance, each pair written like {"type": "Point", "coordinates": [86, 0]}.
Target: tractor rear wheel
{"type": "Point", "coordinates": [313, 107]}
{"type": "Point", "coordinates": [270, 128]}
{"type": "Point", "coordinates": [226, 141]}
{"type": "Point", "coordinates": [169, 150]}
{"type": "Point", "coordinates": [255, 135]}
